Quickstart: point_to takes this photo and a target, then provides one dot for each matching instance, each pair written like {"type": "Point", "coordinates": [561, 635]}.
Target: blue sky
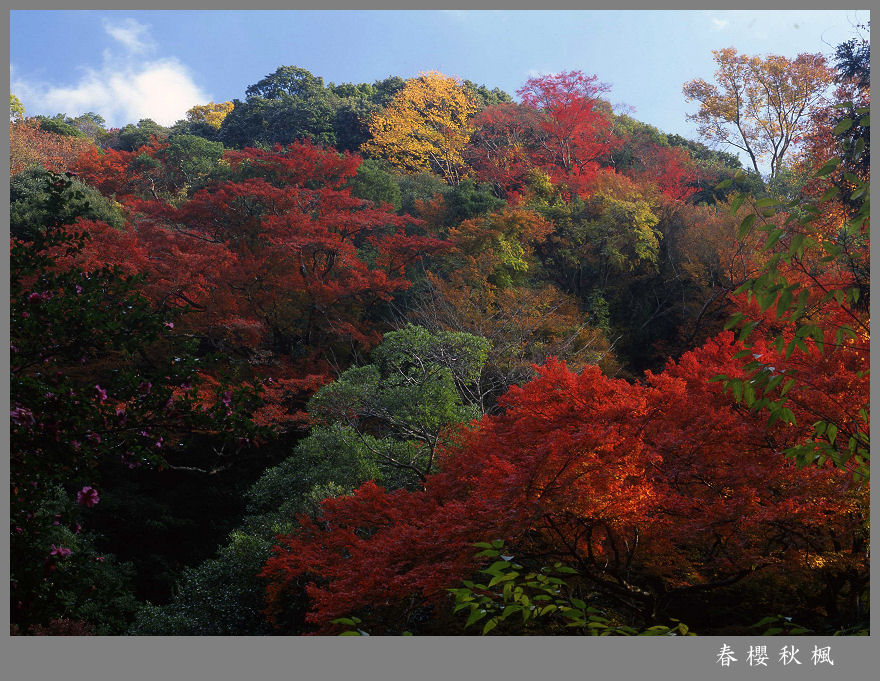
{"type": "Point", "coordinates": [127, 65]}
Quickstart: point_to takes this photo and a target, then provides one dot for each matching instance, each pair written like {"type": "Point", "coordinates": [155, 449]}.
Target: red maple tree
{"type": "Point", "coordinates": [278, 264]}
{"type": "Point", "coordinates": [575, 127]}
{"type": "Point", "coordinates": [650, 491]}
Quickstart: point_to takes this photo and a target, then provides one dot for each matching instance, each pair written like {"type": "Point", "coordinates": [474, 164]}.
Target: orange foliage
{"type": "Point", "coordinates": [30, 146]}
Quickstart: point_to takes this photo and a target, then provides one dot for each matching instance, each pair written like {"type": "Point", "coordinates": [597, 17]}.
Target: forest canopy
{"type": "Point", "coordinates": [418, 356]}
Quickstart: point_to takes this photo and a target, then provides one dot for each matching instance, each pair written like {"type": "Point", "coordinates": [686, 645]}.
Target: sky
{"type": "Point", "coordinates": [129, 65]}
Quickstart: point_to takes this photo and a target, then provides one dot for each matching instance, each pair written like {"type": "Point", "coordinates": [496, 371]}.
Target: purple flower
{"type": "Point", "coordinates": [88, 497]}
{"type": "Point", "coordinates": [227, 398]}
{"type": "Point", "coordinates": [102, 394]}
{"type": "Point", "coordinates": [169, 325]}
{"type": "Point", "coordinates": [79, 289]}
{"type": "Point", "coordinates": [22, 415]}
{"type": "Point", "coordinates": [59, 551]}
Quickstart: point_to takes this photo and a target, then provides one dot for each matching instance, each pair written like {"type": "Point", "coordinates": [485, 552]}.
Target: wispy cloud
{"type": "Point", "coordinates": [125, 88]}
{"type": "Point", "coordinates": [719, 24]}
{"type": "Point", "coordinates": [133, 35]}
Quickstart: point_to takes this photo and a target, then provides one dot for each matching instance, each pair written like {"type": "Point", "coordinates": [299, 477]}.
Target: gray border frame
{"type": "Point", "coordinates": [338, 659]}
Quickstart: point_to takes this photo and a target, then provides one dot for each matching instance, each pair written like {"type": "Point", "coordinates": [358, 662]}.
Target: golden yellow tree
{"type": "Point", "coordinates": [211, 113]}
{"type": "Point", "coordinates": [426, 127]}
{"type": "Point", "coordinates": [759, 105]}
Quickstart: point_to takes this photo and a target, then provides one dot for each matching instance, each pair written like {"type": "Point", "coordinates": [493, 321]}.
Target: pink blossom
{"type": "Point", "coordinates": [88, 497]}
{"type": "Point", "coordinates": [169, 325]}
{"type": "Point", "coordinates": [102, 394]}
{"type": "Point", "coordinates": [59, 551]}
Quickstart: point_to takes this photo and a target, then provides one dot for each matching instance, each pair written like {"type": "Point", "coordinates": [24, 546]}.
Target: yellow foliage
{"type": "Point", "coordinates": [426, 127]}
{"type": "Point", "coordinates": [211, 113]}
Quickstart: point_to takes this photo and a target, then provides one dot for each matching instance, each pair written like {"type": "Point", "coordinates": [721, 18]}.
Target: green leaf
{"type": "Point", "coordinates": [476, 615]}
{"type": "Point", "coordinates": [746, 224]}
{"type": "Point", "coordinates": [829, 194]}
{"type": "Point", "coordinates": [736, 203]}
{"type": "Point", "coordinates": [828, 167]}
{"type": "Point", "coordinates": [348, 621]}
{"type": "Point", "coordinates": [733, 321]}
{"type": "Point", "coordinates": [784, 302]}
{"type": "Point", "coordinates": [831, 433]}
{"type": "Point", "coordinates": [772, 239]}
{"type": "Point", "coordinates": [842, 127]}
{"type": "Point", "coordinates": [490, 625]}
{"type": "Point", "coordinates": [497, 567]}
{"type": "Point", "coordinates": [501, 578]}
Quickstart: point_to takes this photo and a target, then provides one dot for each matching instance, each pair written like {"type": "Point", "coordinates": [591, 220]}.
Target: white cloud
{"type": "Point", "coordinates": [132, 34]}
{"type": "Point", "coordinates": [719, 24]}
{"type": "Point", "coordinates": [124, 89]}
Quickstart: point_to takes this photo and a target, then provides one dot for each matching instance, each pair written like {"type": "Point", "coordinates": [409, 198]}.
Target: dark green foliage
{"type": "Point", "coordinates": [397, 409]}
{"type": "Point", "coordinates": [133, 137]}
{"type": "Point", "coordinates": [89, 125]}
{"type": "Point", "coordinates": [198, 128]}
{"type": "Point", "coordinates": [85, 584]}
{"type": "Point", "coordinates": [375, 184]}
{"type": "Point", "coordinates": [258, 121]}
{"type": "Point", "coordinates": [190, 160]}
{"type": "Point", "coordinates": [516, 600]}
{"type": "Point", "coordinates": [853, 61]}
{"type": "Point", "coordinates": [59, 126]}
{"type": "Point", "coordinates": [484, 96]}
{"type": "Point", "coordinates": [30, 208]}
{"type": "Point", "coordinates": [290, 81]}
{"type": "Point", "coordinates": [292, 104]}
{"type": "Point", "coordinates": [375, 422]}
{"type": "Point", "coordinates": [468, 200]}
{"type": "Point", "coordinates": [97, 379]}
{"type": "Point", "coordinates": [419, 187]}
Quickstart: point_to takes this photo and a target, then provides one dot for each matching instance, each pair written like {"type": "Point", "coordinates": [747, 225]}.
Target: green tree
{"type": "Point", "coordinates": [417, 386]}
{"type": "Point", "coordinates": [400, 406]}
{"type": "Point", "coordinates": [31, 207]}
{"type": "Point", "coordinates": [16, 108]}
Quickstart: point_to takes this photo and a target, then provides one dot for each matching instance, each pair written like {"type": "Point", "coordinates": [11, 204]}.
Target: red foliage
{"type": "Point", "coordinates": [500, 148]}
{"type": "Point", "coordinates": [125, 175]}
{"type": "Point", "coordinates": [575, 131]}
{"type": "Point", "coordinates": [670, 168]}
{"type": "Point", "coordinates": [278, 262]}
{"type": "Point", "coordinates": [649, 490]}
